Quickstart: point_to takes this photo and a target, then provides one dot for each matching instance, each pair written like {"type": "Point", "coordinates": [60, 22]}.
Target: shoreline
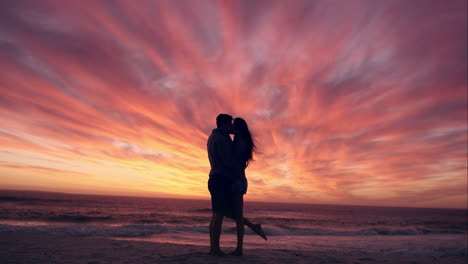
{"type": "Point", "coordinates": [45, 248]}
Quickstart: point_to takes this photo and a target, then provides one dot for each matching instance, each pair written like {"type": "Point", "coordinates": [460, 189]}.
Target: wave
{"type": "Point", "coordinates": [204, 210]}
{"type": "Point", "coordinates": [295, 231]}
{"type": "Point", "coordinates": [27, 199]}
{"type": "Point", "coordinates": [78, 218]}
{"type": "Point", "coordinates": [144, 230]}
{"type": "Point", "coordinates": [87, 230]}
{"type": "Point", "coordinates": [56, 218]}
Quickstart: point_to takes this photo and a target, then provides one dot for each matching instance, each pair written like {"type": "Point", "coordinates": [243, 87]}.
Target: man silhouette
{"type": "Point", "coordinates": [221, 176]}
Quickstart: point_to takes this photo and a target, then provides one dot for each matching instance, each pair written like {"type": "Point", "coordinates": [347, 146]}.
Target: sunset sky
{"type": "Point", "coordinates": [351, 102]}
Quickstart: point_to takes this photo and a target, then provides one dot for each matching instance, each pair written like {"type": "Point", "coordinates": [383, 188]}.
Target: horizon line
{"type": "Point", "coordinates": [200, 199]}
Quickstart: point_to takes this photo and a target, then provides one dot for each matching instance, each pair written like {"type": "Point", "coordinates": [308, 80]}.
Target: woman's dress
{"type": "Point", "coordinates": [240, 153]}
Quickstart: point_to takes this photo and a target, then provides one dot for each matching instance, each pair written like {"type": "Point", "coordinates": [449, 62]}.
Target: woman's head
{"type": "Point", "coordinates": [242, 130]}
{"type": "Point", "coordinates": [240, 127]}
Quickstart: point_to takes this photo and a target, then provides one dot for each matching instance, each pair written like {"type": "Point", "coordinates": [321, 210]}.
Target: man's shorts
{"type": "Point", "coordinates": [220, 196]}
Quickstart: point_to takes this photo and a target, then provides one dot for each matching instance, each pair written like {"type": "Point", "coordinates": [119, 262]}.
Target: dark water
{"type": "Point", "coordinates": [374, 230]}
{"type": "Point", "coordinates": [132, 216]}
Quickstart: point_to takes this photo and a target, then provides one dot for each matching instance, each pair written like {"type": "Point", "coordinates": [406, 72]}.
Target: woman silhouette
{"type": "Point", "coordinates": [243, 148]}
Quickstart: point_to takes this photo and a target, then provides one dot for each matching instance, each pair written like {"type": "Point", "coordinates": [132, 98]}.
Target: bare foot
{"type": "Point", "coordinates": [237, 252]}
{"type": "Point", "coordinates": [258, 229]}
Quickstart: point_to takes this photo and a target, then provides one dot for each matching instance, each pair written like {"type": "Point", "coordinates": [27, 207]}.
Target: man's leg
{"type": "Point", "coordinates": [215, 233]}
{"type": "Point", "coordinates": [211, 234]}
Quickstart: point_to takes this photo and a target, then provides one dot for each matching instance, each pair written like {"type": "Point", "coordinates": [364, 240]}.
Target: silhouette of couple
{"type": "Point", "coordinates": [227, 183]}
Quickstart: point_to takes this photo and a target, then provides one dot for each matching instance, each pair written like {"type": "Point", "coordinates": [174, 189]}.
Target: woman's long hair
{"type": "Point", "coordinates": [242, 130]}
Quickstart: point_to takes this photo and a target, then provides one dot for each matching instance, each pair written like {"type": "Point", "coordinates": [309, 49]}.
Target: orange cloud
{"type": "Point", "coordinates": [350, 103]}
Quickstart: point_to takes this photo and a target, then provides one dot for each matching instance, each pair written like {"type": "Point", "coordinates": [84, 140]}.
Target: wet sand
{"type": "Point", "coordinates": [40, 248]}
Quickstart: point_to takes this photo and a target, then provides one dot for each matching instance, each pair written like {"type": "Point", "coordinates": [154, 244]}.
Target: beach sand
{"type": "Point", "coordinates": [40, 248]}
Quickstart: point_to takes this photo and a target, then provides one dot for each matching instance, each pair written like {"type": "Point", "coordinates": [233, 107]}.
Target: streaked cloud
{"type": "Point", "coordinates": [361, 102]}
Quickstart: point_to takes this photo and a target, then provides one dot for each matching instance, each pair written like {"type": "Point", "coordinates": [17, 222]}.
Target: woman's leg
{"type": "Point", "coordinates": [257, 228]}
{"type": "Point", "coordinates": [248, 223]}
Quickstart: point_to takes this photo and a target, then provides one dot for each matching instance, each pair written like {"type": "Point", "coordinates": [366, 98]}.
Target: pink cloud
{"type": "Point", "coordinates": [348, 100]}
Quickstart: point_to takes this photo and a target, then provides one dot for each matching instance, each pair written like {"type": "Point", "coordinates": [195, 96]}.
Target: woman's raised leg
{"type": "Point", "coordinates": [257, 228]}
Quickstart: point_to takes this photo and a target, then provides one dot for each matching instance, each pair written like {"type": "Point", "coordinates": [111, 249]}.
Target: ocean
{"type": "Point", "coordinates": [383, 230]}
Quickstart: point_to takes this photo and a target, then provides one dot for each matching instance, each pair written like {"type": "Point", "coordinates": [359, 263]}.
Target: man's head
{"type": "Point", "coordinates": [224, 121]}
